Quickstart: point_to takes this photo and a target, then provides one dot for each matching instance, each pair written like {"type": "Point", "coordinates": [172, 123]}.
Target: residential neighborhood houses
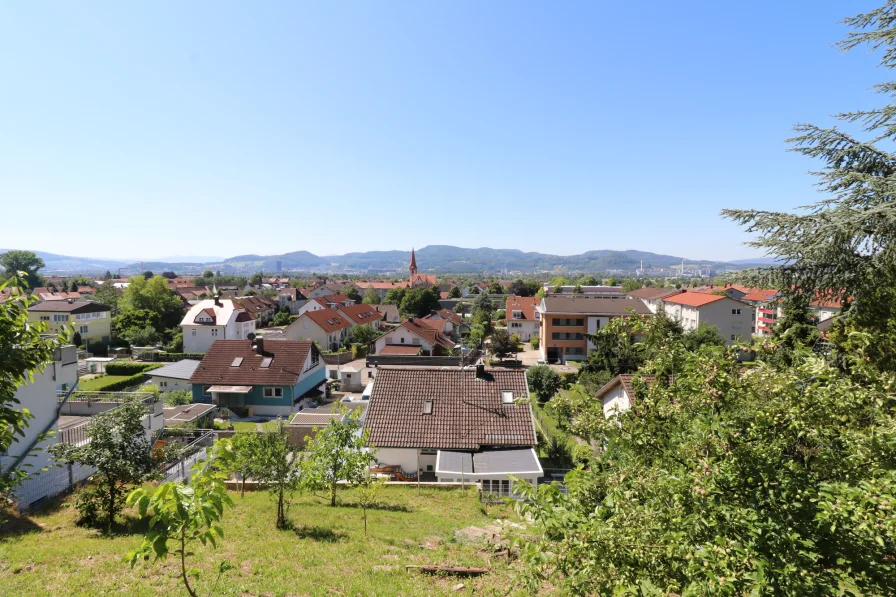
{"type": "Point", "coordinates": [215, 319]}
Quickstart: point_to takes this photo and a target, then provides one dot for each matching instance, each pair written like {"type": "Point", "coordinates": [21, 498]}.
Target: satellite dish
{"type": "Point", "coordinates": [251, 335]}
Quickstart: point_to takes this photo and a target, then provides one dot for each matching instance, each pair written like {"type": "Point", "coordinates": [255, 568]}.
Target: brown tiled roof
{"type": "Point", "coordinates": [285, 369]}
{"type": "Point", "coordinates": [328, 320]}
{"type": "Point", "coordinates": [436, 324]}
{"type": "Point", "coordinates": [389, 312]}
{"type": "Point", "coordinates": [67, 307]}
{"type": "Point", "coordinates": [255, 304]}
{"type": "Point", "coordinates": [653, 293]}
{"type": "Point", "coordinates": [526, 304]}
{"type": "Point", "coordinates": [467, 413]}
{"type": "Point", "coordinates": [595, 305]}
{"type": "Point", "coordinates": [450, 316]}
{"type": "Point", "coordinates": [361, 314]}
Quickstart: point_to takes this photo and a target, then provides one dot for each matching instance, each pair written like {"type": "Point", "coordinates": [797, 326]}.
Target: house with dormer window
{"type": "Point", "coordinates": [257, 378]}
{"type": "Point", "coordinates": [521, 317]}
{"type": "Point", "coordinates": [327, 327]}
{"type": "Point", "coordinates": [215, 319]}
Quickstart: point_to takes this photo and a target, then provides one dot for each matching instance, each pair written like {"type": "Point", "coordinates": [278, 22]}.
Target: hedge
{"type": "Point", "coordinates": [129, 368]}
{"type": "Point", "coordinates": [172, 357]}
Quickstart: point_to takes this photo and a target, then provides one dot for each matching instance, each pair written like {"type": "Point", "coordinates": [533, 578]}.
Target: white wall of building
{"type": "Point", "coordinates": [170, 384]}
{"type": "Point", "coordinates": [402, 337]}
{"type": "Point", "coordinates": [616, 400]}
{"type": "Point", "coordinates": [524, 328]}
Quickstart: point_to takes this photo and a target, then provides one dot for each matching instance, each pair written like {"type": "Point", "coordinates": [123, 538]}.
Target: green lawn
{"type": "Point", "coordinates": [327, 552]}
{"type": "Point", "coordinates": [251, 426]}
{"type": "Point", "coordinates": [96, 382]}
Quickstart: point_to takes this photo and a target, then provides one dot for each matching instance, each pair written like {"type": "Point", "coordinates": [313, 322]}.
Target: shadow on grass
{"type": "Point", "coordinates": [16, 524]}
{"type": "Point", "coordinates": [317, 533]}
{"type": "Point", "coordinates": [384, 507]}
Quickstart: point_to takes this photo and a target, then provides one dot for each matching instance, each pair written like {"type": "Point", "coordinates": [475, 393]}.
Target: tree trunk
{"type": "Point", "coordinates": [242, 485]}
{"type": "Point", "coordinates": [333, 494]}
{"type": "Point", "coordinates": [281, 519]}
{"type": "Point", "coordinates": [110, 511]}
{"type": "Point", "coordinates": [183, 564]}
{"type": "Point", "coordinates": [365, 521]}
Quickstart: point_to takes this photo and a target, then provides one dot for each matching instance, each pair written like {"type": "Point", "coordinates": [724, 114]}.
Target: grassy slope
{"type": "Point", "coordinates": [95, 382]}
{"type": "Point", "coordinates": [328, 554]}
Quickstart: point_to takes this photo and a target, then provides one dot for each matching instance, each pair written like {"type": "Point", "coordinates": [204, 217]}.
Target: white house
{"type": "Point", "coordinates": [521, 317]}
{"type": "Point", "coordinates": [733, 318]}
{"type": "Point", "coordinates": [175, 376]}
{"type": "Point", "coordinates": [325, 326]}
{"type": "Point", "coordinates": [618, 394]}
{"type": "Point", "coordinates": [215, 319]}
{"type": "Point", "coordinates": [411, 335]}
{"type": "Point", "coordinates": [653, 297]}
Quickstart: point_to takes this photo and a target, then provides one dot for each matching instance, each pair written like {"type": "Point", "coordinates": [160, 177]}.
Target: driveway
{"type": "Point", "coordinates": [528, 356]}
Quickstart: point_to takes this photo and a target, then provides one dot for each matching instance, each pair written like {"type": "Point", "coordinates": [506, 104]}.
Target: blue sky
{"type": "Point", "coordinates": [219, 128]}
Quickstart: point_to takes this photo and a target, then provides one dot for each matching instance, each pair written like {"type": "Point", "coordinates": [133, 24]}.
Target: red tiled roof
{"type": "Point", "coordinates": [328, 320]}
{"type": "Point", "coordinates": [694, 299]}
{"type": "Point", "coordinates": [436, 324]}
{"type": "Point", "coordinates": [467, 412]}
{"type": "Point", "coordinates": [626, 381]}
{"type": "Point", "coordinates": [381, 285]}
{"type": "Point", "coordinates": [525, 304]}
{"type": "Point", "coordinates": [285, 368]}
{"type": "Point", "coordinates": [400, 349]}
{"type": "Point", "coordinates": [760, 296]}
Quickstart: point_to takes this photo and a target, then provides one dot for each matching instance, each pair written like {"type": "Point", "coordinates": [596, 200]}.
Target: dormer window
{"type": "Point", "coordinates": [506, 397]}
{"type": "Point", "coordinates": [427, 407]}
{"type": "Point", "coordinates": [517, 314]}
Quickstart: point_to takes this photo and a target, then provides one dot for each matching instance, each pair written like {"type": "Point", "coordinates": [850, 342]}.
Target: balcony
{"type": "Point", "coordinates": [767, 310]}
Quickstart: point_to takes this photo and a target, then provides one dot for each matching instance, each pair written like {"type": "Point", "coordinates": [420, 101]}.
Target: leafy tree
{"type": "Point", "coordinates": [145, 336]}
{"type": "Point", "coordinates": [136, 318]}
{"type": "Point", "coordinates": [395, 296]}
{"type": "Point", "coordinates": [337, 452]}
{"type": "Point", "coordinates": [543, 381]}
{"type": "Point", "coordinates": [477, 334]}
{"type": "Point", "coordinates": [108, 295]}
{"type": "Point", "coordinates": [73, 287]}
{"type": "Point", "coordinates": [184, 514]}
{"type": "Point", "coordinates": [502, 346]}
{"type": "Point", "coordinates": [703, 335]}
{"type": "Point", "coordinates": [614, 348]}
{"type": "Point", "coordinates": [577, 289]}
{"type": "Point", "coordinates": [483, 311]}
{"type": "Point", "coordinates": [281, 319]}
{"type": "Point", "coordinates": [843, 246]}
{"type": "Point", "coordinates": [208, 274]}
{"type": "Point", "coordinates": [178, 398]}
{"type": "Point", "coordinates": [539, 294]}
{"type": "Point", "coordinates": [630, 284]}
{"type": "Point", "coordinates": [588, 281]}
{"type": "Point", "coordinates": [454, 292]}
{"type": "Point", "coordinates": [23, 261]}
{"type": "Point", "coordinates": [558, 281]}
{"type": "Point", "coordinates": [371, 296]}
{"type": "Point", "coordinates": [352, 293]}
{"type": "Point", "coordinates": [170, 275]}
{"type": "Point", "coordinates": [360, 334]}
{"type": "Point", "coordinates": [460, 309]}
{"type": "Point", "coordinates": [244, 447]}
{"type": "Point", "coordinates": [277, 469]}
{"type": "Point", "coordinates": [759, 481]}
{"type": "Point", "coordinates": [419, 302]}
{"type": "Point", "coordinates": [367, 490]}
{"type": "Point", "coordinates": [255, 279]}
{"type": "Point", "coordinates": [107, 275]}
{"type": "Point", "coordinates": [176, 344]}
{"type": "Point", "coordinates": [495, 288]}
{"type": "Point", "coordinates": [147, 274]}
{"type": "Point", "coordinates": [152, 295]}
{"type": "Point", "coordinates": [119, 450]}
{"type": "Point", "coordinates": [474, 289]}
{"type": "Point", "coordinates": [250, 293]}
{"type": "Point", "coordinates": [77, 340]}
{"type": "Point", "coordinates": [25, 352]}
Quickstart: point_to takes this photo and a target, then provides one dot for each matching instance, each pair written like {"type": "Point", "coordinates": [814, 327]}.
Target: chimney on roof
{"type": "Point", "coordinates": [259, 346]}
{"type": "Point", "coordinates": [410, 320]}
{"type": "Point", "coordinates": [70, 301]}
{"type": "Point", "coordinates": [480, 371]}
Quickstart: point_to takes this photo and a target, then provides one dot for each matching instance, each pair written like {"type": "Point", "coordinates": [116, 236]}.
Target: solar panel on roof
{"type": "Point", "coordinates": [266, 362]}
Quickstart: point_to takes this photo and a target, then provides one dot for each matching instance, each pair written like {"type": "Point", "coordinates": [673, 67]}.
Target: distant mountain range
{"type": "Point", "coordinates": [433, 258]}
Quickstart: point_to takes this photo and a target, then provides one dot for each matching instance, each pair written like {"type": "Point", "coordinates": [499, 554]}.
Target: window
{"type": "Point", "coordinates": [58, 317]}
{"type": "Point", "coordinates": [194, 332]}
{"type": "Point", "coordinates": [735, 337]}
{"type": "Point", "coordinates": [273, 392]}
{"type": "Point", "coordinates": [575, 351]}
{"type": "Point", "coordinates": [506, 397]}
{"type": "Point", "coordinates": [517, 314]}
{"type": "Point", "coordinates": [427, 407]}
{"type": "Point", "coordinates": [82, 329]}
{"type": "Point", "coordinates": [237, 362]}
{"type": "Point", "coordinates": [45, 318]}
{"type": "Point", "coordinates": [266, 362]}
{"type": "Point", "coordinates": [205, 391]}
{"type": "Point", "coordinates": [402, 340]}
{"type": "Point", "coordinates": [735, 311]}
{"type": "Point", "coordinates": [214, 331]}
{"type": "Point", "coordinates": [568, 321]}
{"type": "Point", "coordinates": [566, 336]}
{"type": "Point", "coordinates": [163, 384]}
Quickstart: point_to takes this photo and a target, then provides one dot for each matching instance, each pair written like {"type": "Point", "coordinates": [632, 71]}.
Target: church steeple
{"type": "Point", "coordinates": [413, 267]}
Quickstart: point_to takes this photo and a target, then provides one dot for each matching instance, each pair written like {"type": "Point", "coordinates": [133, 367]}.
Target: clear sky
{"type": "Point", "coordinates": [221, 128]}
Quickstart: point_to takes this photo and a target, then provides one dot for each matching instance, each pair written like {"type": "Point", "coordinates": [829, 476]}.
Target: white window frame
{"type": "Point", "coordinates": [273, 392]}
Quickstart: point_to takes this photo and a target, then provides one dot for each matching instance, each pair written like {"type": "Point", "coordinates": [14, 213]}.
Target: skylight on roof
{"type": "Point", "coordinates": [237, 362]}
{"type": "Point", "coordinates": [506, 397]}
{"type": "Point", "coordinates": [427, 407]}
{"type": "Point", "coordinates": [266, 362]}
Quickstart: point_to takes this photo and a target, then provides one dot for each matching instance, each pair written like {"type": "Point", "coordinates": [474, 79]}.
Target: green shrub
{"type": "Point", "coordinates": [129, 367]}
{"type": "Point", "coordinates": [534, 342]}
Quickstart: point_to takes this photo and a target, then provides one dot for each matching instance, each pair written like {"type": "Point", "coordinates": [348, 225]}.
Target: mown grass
{"type": "Point", "coordinates": [326, 553]}
{"type": "Point", "coordinates": [95, 383]}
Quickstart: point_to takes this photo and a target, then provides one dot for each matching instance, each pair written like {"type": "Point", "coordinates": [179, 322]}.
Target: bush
{"type": "Point", "coordinates": [129, 367]}
{"type": "Point", "coordinates": [178, 398]}
{"type": "Point", "coordinates": [171, 357]}
{"type": "Point", "coordinates": [534, 342]}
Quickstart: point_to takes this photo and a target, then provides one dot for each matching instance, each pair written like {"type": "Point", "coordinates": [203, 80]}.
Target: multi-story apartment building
{"type": "Point", "coordinates": [733, 318]}
{"type": "Point", "coordinates": [766, 309]}
{"type": "Point", "coordinates": [566, 322]}
{"type": "Point", "coordinates": [653, 297]}
{"type": "Point", "coordinates": [93, 321]}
